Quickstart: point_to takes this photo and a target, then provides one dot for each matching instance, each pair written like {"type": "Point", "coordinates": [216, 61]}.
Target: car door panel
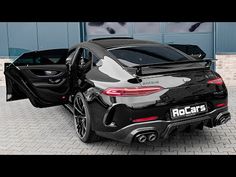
{"type": "Point", "coordinates": [43, 71]}
{"type": "Point", "coordinates": [30, 72]}
{"type": "Point", "coordinates": [45, 85]}
{"type": "Point", "coordinates": [17, 87]}
{"type": "Point", "coordinates": [50, 85]}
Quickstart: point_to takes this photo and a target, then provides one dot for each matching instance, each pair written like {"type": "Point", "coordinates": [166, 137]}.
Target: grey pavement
{"type": "Point", "coordinates": [25, 129]}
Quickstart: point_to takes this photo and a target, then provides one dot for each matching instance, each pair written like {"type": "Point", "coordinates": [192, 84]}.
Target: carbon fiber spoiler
{"type": "Point", "coordinates": [139, 67]}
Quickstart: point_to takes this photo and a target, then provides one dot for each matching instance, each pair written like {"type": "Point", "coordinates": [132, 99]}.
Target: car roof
{"type": "Point", "coordinates": [112, 42]}
{"type": "Point", "coordinates": [119, 42]}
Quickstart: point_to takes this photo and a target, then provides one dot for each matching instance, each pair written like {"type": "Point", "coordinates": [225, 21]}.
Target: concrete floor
{"type": "Point", "coordinates": [25, 129]}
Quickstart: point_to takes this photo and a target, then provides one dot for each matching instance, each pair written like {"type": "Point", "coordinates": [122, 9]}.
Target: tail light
{"type": "Point", "coordinates": [218, 105]}
{"type": "Point", "coordinates": [144, 119]}
{"type": "Point", "coordinates": [216, 81]}
{"type": "Point", "coordinates": [131, 91]}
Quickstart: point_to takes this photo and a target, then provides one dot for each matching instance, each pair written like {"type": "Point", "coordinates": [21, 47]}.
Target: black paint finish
{"type": "Point", "coordinates": [56, 83]}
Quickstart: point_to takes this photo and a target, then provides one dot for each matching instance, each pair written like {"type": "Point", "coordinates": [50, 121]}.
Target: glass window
{"type": "Point", "coordinates": [86, 56]}
{"type": "Point", "coordinates": [85, 59]}
{"type": "Point", "coordinates": [147, 27]}
{"type": "Point", "coordinates": [107, 28]}
{"type": "Point", "coordinates": [131, 56]}
{"type": "Point", "coordinates": [24, 61]}
{"type": "Point", "coordinates": [42, 57]}
{"type": "Point", "coordinates": [188, 27]}
{"type": "Point", "coordinates": [95, 60]}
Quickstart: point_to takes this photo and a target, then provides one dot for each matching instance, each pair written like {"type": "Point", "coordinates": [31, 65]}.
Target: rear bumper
{"type": "Point", "coordinates": [164, 128]}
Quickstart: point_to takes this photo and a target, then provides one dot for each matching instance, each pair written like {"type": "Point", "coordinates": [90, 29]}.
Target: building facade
{"type": "Point", "coordinates": [19, 37]}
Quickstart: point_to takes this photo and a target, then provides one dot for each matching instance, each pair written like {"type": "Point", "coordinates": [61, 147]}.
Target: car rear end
{"type": "Point", "coordinates": [183, 100]}
{"type": "Point", "coordinates": [164, 99]}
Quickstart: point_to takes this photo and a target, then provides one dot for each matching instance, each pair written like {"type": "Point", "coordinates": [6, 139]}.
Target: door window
{"type": "Point", "coordinates": [48, 57]}
{"type": "Point", "coordinates": [84, 59]}
{"type": "Point", "coordinates": [95, 60]}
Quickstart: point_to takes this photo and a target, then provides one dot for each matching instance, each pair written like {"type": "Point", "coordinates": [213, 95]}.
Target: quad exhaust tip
{"type": "Point", "coordinates": [143, 137]}
{"type": "Point", "coordinates": [152, 137]}
{"type": "Point", "coordinates": [223, 118]}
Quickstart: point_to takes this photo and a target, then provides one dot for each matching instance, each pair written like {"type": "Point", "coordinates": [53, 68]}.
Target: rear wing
{"type": "Point", "coordinates": [139, 67]}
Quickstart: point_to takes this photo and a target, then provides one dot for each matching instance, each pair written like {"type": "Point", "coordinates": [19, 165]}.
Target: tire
{"type": "Point", "coordinates": [82, 120]}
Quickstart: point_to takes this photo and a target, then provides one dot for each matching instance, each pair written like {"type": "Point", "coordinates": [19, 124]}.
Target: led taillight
{"type": "Point", "coordinates": [216, 81]}
{"type": "Point", "coordinates": [218, 105]}
{"type": "Point", "coordinates": [131, 91]}
{"type": "Point", "coordinates": [144, 119]}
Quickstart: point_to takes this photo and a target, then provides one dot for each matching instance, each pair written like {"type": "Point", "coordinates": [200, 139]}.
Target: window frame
{"type": "Point", "coordinates": [78, 55]}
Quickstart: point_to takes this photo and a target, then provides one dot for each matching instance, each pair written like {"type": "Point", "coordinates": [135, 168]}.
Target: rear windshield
{"type": "Point", "coordinates": [141, 55]}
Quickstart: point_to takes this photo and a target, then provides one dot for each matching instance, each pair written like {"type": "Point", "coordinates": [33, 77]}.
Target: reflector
{"type": "Point", "coordinates": [221, 105]}
{"type": "Point", "coordinates": [144, 119]}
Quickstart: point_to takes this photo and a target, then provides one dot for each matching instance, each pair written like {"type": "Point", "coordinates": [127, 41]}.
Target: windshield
{"type": "Point", "coordinates": [142, 55]}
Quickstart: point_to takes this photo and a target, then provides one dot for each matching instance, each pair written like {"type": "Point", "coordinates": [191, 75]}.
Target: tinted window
{"type": "Point", "coordinates": [189, 49]}
{"type": "Point", "coordinates": [131, 56]}
{"type": "Point", "coordinates": [86, 56]}
{"type": "Point", "coordinates": [95, 60]}
{"type": "Point", "coordinates": [42, 58]}
{"type": "Point", "coordinates": [84, 60]}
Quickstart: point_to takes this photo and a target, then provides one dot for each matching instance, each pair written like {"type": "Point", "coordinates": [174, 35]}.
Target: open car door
{"type": "Point", "coordinates": [40, 76]}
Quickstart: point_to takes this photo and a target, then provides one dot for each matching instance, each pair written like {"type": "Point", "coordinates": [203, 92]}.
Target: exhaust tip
{"type": "Point", "coordinates": [152, 137]}
{"type": "Point", "coordinates": [146, 136]}
{"type": "Point", "coordinates": [142, 138]}
{"type": "Point", "coordinates": [223, 119]}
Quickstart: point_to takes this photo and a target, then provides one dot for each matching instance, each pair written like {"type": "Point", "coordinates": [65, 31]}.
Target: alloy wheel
{"type": "Point", "coordinates": [80, 117]}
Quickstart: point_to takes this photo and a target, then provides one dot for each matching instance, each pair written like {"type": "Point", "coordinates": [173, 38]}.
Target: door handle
{"type": "Point", "coordinates": [54, 81]}
{"type": "Point", "coordinates": [50, 73]}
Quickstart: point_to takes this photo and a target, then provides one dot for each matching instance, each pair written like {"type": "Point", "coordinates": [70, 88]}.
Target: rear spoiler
{"type": "Point", "coordinates": [139, 67]}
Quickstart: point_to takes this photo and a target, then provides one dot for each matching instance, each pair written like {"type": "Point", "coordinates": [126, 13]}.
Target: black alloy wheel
{"type": "Point", "coordinates": [82, 120]}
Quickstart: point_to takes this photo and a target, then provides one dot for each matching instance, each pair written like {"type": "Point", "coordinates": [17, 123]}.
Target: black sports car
{"type": "Point", "coordinates": [121, 88]}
